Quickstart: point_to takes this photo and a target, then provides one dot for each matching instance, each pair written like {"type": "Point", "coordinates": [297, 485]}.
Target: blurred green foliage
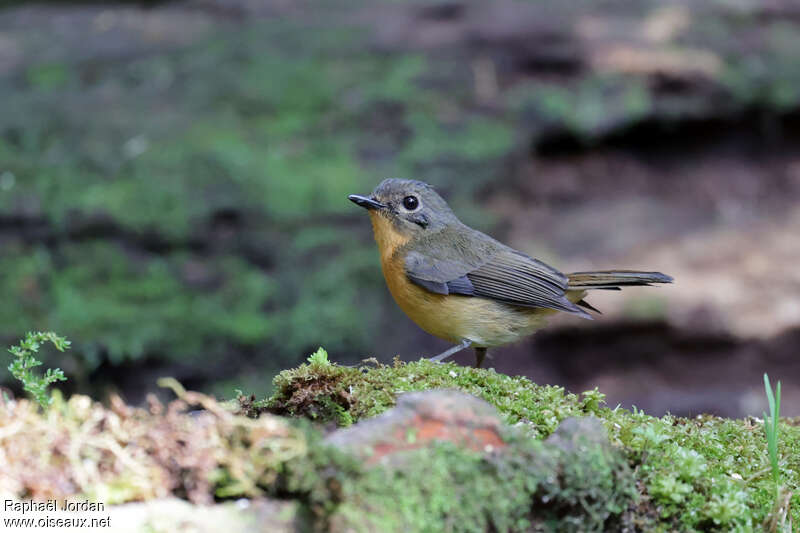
{"type": "Point", "coordinates": [192, 204]}
{"type": "Point", "coordinates": [186, 203]}
{"type": "Point", "coordinates": [127, 305]}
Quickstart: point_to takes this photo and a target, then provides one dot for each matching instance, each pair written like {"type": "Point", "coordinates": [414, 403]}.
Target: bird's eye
{"type": "Point", "coordinates": [410, 202]}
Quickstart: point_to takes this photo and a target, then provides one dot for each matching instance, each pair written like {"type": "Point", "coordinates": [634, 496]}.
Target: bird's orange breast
{"type": "Point", "coordinates": [454, 318]}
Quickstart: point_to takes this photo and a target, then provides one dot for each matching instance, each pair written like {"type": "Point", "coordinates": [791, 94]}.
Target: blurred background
{"type": "Point", "coordinates": [173, 183]}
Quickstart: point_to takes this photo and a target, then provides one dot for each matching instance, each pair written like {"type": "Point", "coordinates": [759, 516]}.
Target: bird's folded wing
{"type": "Point", "coordinates": [505, 275]}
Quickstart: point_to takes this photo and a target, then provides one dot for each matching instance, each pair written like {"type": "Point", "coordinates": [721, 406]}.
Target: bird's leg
{"type": "Point", "coordinates": [480, 354]}
{"type": "Point", "coordinates": [447, 353]}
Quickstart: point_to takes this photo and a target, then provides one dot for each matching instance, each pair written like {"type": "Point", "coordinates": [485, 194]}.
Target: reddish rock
{"type": "Point", "coordinates": [421, 418]}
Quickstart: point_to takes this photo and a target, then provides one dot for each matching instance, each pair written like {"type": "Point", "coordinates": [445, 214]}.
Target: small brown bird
{"type": "Point", "coordinates": [465, 287]}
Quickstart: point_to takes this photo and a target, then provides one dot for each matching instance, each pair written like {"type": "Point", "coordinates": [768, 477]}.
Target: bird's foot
{"type": "Point", "coordinates": [447, 353]}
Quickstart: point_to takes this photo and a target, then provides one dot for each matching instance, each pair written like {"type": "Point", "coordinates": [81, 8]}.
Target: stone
{"type": "Point", "coordinates": [420, 419]}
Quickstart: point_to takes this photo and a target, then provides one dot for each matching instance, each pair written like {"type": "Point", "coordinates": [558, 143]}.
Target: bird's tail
{"type": "Point", "coordinates": [614, 279]}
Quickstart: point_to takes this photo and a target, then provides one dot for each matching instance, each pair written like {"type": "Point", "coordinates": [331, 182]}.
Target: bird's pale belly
{"type": "Point", "coordinates": [485, 322]}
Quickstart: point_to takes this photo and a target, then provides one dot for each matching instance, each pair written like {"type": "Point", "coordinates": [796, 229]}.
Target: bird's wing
{"type": "Point", "coordinates": [472, 264]}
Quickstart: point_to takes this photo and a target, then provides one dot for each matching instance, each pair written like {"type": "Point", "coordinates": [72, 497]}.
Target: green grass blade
{"type": "Point", "coordinates": [771, 428]}
{"type": "Point", "coordinates": [776, 415]}
{"type": "Point", "coordinates": [770, 397]}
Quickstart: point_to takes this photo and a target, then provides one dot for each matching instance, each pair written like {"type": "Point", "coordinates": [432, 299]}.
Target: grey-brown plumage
{"type": "Point", "coordinates": [461, 260]}
{"type": "Point", "coordinates": [462, 285]}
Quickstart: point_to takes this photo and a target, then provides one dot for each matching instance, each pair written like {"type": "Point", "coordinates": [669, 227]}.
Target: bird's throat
{"type": "Point", "coordinates": [387, 236]}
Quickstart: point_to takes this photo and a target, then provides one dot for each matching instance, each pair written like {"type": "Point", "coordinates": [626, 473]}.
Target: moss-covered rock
{"type": "Point", "coordinates": [311, 390]}
{"type": "Point", "coordinates": [566, 462]}
{"type": "Point", "coordinates": [528, 486]}
{"type": "Point", "coordinates": [696, 474]}
{"type": "Point", "coordinates": [419, 467]}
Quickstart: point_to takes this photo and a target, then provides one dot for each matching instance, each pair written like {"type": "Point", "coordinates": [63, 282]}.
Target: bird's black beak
{"type": "Point", "coordinates": [366, 203]}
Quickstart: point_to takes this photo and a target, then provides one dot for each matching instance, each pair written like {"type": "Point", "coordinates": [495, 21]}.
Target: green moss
{"type": "Point", "coordinates": [639, 473]}
{"type": "Point", "coordinates": [370, 391]}
{"type": "Point", "coordinates": [528, 485]}
{"type": "Point", "coordinates": [470, 492]}
{"type": "Point", "coordinates": [702, 473]}
{"type": "Point", "coordinates": [48, 76]}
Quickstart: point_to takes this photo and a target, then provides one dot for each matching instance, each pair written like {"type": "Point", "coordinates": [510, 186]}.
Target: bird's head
{"type": "Point", "coordinates": [411, 207]}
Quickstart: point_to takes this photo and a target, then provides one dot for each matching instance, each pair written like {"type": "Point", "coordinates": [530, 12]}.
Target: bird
{"type": "Point", "coordinates": [462, 285]}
